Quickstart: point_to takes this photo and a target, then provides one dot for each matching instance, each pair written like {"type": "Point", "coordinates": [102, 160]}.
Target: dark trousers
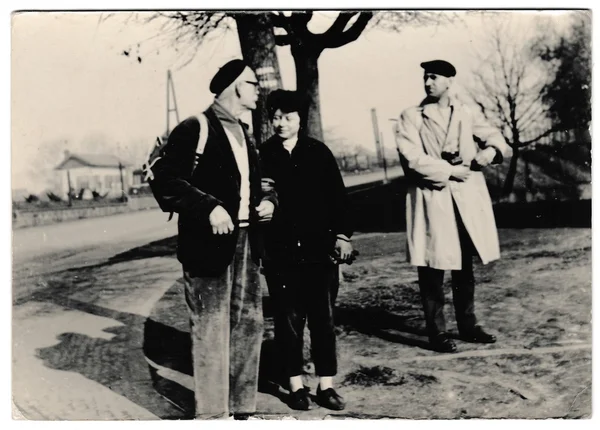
{"type": "Point", "coordinates": [227, 327]}
{"type": "Point", "coordinates": [303, 293]}
{"type": "Point", "coordinates": [431, 283]}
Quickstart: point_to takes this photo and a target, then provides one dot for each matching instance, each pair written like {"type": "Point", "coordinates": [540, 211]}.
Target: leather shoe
{"type": "Point", "coordinates": [442, 343]}
{"type": "Point", "coordinates": [477, 335]}
{"type": "Point", "coordinates": [300, 400]}
{"type": "Point", "coordinates": [330, 399]}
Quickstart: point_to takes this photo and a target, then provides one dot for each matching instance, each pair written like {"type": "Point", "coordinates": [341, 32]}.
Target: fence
{"type": "Point", "coordinates": [363, 163]}
{"type": "Point", "coordinates": [29, 215]}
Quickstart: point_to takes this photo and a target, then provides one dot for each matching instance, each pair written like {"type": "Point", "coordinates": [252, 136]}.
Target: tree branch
{"type": "Point", "coordinates": [544, 134]}
{"type": "Point", "coordinates": [279, 20]}
{"type": "Point", "coordinates": [339, 25]}
{"type": "Point", "coordinates": [301, 19]}
{"type": "Point", "coordinates": [283, 39]}
{"type": "Point", "coordinates": [531, 112]}
{"type": "Point", "coordinates": [350, 35]}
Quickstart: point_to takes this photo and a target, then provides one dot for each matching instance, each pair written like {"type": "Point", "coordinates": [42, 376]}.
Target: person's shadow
{"type": "Point", "coordinates": [167, 348]}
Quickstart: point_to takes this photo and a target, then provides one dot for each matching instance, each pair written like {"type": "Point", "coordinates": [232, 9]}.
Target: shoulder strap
{"type": "Point", "coordinates": [202, 139]}
{"type": "Point", "coordinates": [203, 133]}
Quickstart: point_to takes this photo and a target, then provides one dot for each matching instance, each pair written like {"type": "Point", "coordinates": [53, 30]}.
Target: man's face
{"type": "Point", "coordinates": [247, 89]}
{"type": "Point", "coordinates": [286, 125]}
{"type": "Point", "coordinates": [436, 85]}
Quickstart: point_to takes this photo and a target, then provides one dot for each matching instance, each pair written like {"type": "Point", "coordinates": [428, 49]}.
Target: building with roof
{"type": "Point", "coordinates": [103, 173]}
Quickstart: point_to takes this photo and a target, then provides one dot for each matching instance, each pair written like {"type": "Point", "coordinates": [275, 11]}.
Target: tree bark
{"type": "Point", "coordinates": [509, 181]}
{"type": "Point", "coordinates": [307, 84]}
{"type": "Point", "coordinates": [257, 42]}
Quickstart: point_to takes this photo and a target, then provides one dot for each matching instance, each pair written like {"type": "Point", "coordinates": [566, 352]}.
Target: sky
{"type": "Point", "coordinates": [73, 89]}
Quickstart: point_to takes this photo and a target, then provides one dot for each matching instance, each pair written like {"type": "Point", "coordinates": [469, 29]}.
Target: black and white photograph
{"type": "Point", "coordinates": [304, 214]}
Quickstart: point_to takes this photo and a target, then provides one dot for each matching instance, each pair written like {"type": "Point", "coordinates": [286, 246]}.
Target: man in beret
{"type": "Point", "coordinates": [449, 217]}
{"type": "Point", "coordinates": [219, 207]}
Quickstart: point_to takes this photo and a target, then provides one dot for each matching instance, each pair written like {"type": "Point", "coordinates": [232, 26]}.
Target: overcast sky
{"type": "Point", "coordinates": [70, 81]}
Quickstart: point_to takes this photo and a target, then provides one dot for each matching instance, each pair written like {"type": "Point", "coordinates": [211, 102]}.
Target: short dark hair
{"type": "Point", "coordinates": [286, 101]}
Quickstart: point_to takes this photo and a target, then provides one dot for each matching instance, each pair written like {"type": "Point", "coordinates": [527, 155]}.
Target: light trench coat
{"type": "Point", "coordinates": [431, 225]}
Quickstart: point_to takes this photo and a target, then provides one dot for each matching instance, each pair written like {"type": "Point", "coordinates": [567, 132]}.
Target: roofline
{"type": "Point", "coordinates": [75, 156]}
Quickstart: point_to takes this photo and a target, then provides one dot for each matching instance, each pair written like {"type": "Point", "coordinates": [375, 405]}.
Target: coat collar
{"type": "Point", "coordinates": [453, 129]}
{"type": "Point", "coordinates": [429, 110]}
{"type": "Point", "coordinates": [303, 142]}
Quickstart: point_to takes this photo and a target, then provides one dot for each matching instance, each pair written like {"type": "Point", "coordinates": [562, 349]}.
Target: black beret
{"type": "Point", "coordinates": [226, 75]}
{"type": "Point", "coordinates": [287, 101]}
{"type": "Point", "coordinates": [439, 67]}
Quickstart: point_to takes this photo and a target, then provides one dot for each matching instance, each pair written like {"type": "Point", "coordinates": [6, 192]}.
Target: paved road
{"type": "Point", "coordinates": [365, 178]}
{"type": "Point", "coordinates": [31, 243]}
{"type": "Point", "coordinates": [123, 229]}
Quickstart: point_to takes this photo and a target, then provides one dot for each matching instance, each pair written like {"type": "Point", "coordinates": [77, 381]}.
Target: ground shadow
{"type": "Point", "coordinates": [159, 248]}
{"type": "Point", "coordinates": [383, 324]}
{"type": "Point", "coordinates": [167, 344]}
{"type": "Point", "coordinates": [118, 363]}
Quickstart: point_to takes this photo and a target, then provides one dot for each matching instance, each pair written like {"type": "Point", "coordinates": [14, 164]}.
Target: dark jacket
{"type": "Point", "coordinates": [216, 181]}
{"type": "Point", "coordinates": [313, 203]}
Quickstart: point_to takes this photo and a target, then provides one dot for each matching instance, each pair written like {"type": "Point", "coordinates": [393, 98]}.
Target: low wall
{"type": "Point", "coordinates": [376, 207]}
{"type": "Point", "coordinates": [382, 208]}
{"type": "Point", "coordinates": [142, 203]}
{"type": "Point", "coordinates": [38, 216]}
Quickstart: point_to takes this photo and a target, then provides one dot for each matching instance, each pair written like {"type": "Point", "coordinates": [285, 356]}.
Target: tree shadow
{"type": "Point", "coordinates": [168, 346]}
{"type": "Point", "coordinates": [159, 248]}
{"type": "Point", "coordinates": [117, 363]}
{"type": "Point", "coordinates": [392, 327]}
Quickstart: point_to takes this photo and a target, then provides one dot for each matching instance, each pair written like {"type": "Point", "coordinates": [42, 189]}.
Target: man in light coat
{"type": "Point", "coordinates": [449, 217]}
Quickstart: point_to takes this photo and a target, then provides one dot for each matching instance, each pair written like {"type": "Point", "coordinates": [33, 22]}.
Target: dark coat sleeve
{"type": "Point", "coordinates": [341, 210]}
{"type": "Point", "coordinates": [172, 173]}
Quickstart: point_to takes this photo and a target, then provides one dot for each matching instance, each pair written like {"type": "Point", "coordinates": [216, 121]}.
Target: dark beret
{"type": "Point", "coordinates": [439, 67]}
{"type": "Point", "coordinates": [226, 75]}
{"type": "Point", "coordinates": [287, 101]}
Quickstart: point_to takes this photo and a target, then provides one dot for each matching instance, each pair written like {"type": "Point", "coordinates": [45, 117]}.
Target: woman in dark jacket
{"type": "Point", "coordinates": [309, 234]}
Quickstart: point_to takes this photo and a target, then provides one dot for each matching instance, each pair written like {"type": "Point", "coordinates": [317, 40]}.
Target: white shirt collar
{"type": "Point", "coordinates": [290, 144]}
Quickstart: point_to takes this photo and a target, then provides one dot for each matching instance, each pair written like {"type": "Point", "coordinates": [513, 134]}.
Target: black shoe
{"type": "Point", "coordinates": [330, 399]}
{"type": "Point", "coordinates": [300, 400]}
{"type": "Point", "coordinates": [477, 335]}
{"type": "Point", "coordinates": [442, 343]}
{"type": "Point", "coordinates": [242, 416]}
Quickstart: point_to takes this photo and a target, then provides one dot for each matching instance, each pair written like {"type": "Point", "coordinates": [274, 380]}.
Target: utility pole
{"type": "Point", "coordinates": [69, 185]}
{"type": "Point", "coordinates": [377, 135]}
{"type": "Point", "coordinates": [122, 182]}
{"type": "Point", "coordinates": [385, 175]}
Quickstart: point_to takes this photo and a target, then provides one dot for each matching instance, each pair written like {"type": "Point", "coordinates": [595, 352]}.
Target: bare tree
{"type": "Point", "coordinates": [509, 86]}
{"type": "Point", "coordinates": [190, 28]}
{"type": "Point", "coordinates": [307, 47]}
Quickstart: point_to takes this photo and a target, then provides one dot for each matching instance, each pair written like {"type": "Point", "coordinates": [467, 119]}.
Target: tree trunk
{"type": "Point", "coordinates": [307, 83]}
{"type": "Point", "coordinates": [257, 42]}
{"type": "Point", "coordinates": [509, 181]}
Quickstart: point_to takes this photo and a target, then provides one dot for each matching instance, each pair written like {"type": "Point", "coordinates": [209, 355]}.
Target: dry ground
{"type": "Point", "coordinates": [98, 323]}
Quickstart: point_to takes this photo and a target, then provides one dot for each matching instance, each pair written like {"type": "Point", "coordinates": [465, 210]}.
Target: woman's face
{"type": "Point", "coordinates": [286, 125]}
